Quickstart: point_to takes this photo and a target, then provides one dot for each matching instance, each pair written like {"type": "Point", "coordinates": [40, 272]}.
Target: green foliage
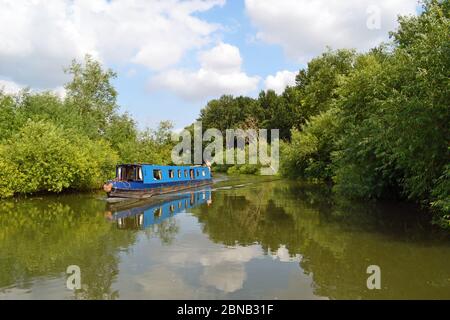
{"type": "Point", "coordinates": [221, 168]}
{"type": "Point", "coordinates": [244, 169]}
{"type": "Point", "coordinates": [150, 146]}
{"type": "Point", "coordinates": [362, 143]}
{"type": "Point", "coordinates": [309, 153]}
{"type": "Point", "coordinates": [269, 111]}
{"type": "Point", "coordinates": [9, 121]}
{"type": "Point", "coordinates": [227, 112]}
{"type": "Point", "coordinates": [49, 144]}
{"type": "Point", "coordinates": [395, 113]}
{"type": "Point", "coordinates": [33, 162]}
{"type": "Point", "coordinates": [376, 124]}
{"type": "Point", "coordinates": [42, 236]}
{"type": "Point", "coordinates": [318, 83]}
{"type": "Point", "coordinates": [279, 112]}
{"type": "Point", "coordinates": [92, 93]}
{"type": "Point", "coordinates": [121, 130]}
{"type": "Point", "coordinates": [441, 194]}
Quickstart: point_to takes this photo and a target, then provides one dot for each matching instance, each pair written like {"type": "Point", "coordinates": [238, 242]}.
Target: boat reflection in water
{"type": "Point", "coordinates": [145, 213]}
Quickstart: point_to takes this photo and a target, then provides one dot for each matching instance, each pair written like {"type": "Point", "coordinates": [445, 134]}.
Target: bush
{"type": "Point", "coordinates": [44, 157]}
{"type": "Point", "coordinates": [441, 194]}
{"type": "Point", "coordinates": [395, 113]}
{"type": "Point", "coordinates": [244, 169]}
{"type": "Point", "coordinates": [309, 153]}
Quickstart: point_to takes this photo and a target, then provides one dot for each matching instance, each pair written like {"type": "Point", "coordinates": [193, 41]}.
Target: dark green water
{"type": "Point", "coordinates": [255, 239]}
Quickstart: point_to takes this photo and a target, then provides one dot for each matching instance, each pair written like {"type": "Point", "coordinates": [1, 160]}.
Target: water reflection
{"type": "Point", "coordinates": [245, 238]}
{"type": "Point", "coordinates": [41, 237]}
{"type": "Point", "coordinates": [336, 240]}
{"type": "Point", "coordinates": [145, 214]}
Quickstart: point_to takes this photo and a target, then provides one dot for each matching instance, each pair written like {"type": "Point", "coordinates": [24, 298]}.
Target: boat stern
{"type": "Point", "coordinates": [107, 187]}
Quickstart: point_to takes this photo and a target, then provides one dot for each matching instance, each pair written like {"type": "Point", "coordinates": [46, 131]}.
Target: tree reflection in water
{"type": "Point", "coordinates": [336, 239]}
{"type": "Point", "coordinates": [236, 240]}
{"type": "Point", "coordinates": [40, 238]}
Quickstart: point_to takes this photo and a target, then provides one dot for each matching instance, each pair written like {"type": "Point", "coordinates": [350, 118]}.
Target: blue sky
{"type": "Point", "coordinates": [258, 59]}
{"type": "Point", "coordinates": [172, 56]}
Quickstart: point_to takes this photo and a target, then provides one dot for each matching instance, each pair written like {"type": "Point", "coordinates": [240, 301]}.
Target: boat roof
{"type": "Point", "coordinates": [158, 165]}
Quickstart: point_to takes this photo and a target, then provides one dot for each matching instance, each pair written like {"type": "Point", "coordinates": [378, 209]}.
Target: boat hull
{"type": "Point", "coordinates": [143, 193]}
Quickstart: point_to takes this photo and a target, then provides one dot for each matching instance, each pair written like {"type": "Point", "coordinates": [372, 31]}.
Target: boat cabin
{"type": "Point", "coordinates": [151, 174]}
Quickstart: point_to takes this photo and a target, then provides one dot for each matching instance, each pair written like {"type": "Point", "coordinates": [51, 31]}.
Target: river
{"type": "Point", "coordinates": [242, 238]}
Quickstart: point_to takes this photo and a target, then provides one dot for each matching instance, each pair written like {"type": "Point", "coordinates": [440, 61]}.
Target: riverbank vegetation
{"type": "Point", "coordinates": [51, 144]}
{"type": "Point", "coordinates": [376, 124]}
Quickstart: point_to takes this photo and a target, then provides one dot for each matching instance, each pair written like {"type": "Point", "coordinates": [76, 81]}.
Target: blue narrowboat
{"type": "Point", "coordinates": [146, 180]}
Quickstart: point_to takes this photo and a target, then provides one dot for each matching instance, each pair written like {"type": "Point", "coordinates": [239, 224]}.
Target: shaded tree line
{"type": "Point", "coordinates": [374, 124]}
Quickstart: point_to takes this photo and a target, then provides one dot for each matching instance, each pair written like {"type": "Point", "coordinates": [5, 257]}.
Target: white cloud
{"type": "Point", "coordinates": [60, 91]}
{"type": "Point", "coordinates": [305, 27]}
{"type": "Point", "coordinates": [227, 277]}
{"type": "Point", "coordinates": [236, 254]}
{"type": "Point", "coordinates": [38, 38]}
{"type": "Point", "coordinates": [280, 81]}
{"type": "Point", "coordinates": [220, 73]}
{"type": "Point", "coordinates": [224, 267]}
{"type": "Point", "coordinates": [222, 58]}
{"type": "Point", "coordinates": [10, 87]}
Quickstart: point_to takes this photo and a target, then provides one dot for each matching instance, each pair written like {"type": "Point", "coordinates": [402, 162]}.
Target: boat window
{"type": "Point", "coordinates": [192, 173]}
{"type": "Point", "coordinates": [172, 208]}
{"type": "Point", "coordinates": [203, 173]}
{"type": "Point", "coordinates": [157, 174]}
{"type": "Point", "coordinates": [171, 175]}
{"type": "Point", "coordinates": [185, 173]}
{"type": "Point", "coordinates": [198, 173]}
{"type": "Point", "coordinates": [129, 173]}
{"type": "Point", "coordinates": [179, 173]}
{"type": "Point", "coordinates": [157, 212]}
{"type": "Point", "coordinates": [126, 174]}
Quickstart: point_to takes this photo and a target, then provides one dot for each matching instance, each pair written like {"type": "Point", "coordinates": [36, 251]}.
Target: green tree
{"type": "Point", "coordinates": [92, 94]}
{"type": "Point", "coordinates": [122, 134]}
{"type": "Point", "coordinates": [277, 112]}
{"type": "Point", "coordinates": [9, 122]}
{"type": "Point", "coordinates": [308, 155]}
{"type": "Point", "coordinates": [318, 82]}
{"type": "Point", "coordinates": [395, 115]}
{"type": "Point", "coordinates": [227, 112]}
